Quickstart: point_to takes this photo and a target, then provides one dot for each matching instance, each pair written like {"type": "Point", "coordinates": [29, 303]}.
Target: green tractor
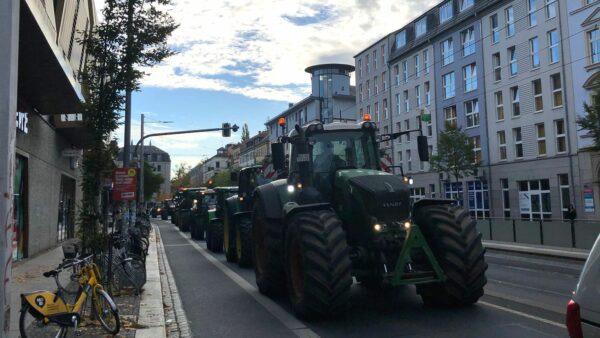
{"type": "Point", "coordinates": [183, 211]}
{"type": "Point", "coordinates": [338, 216]}
{"type": "Point", "coordinates": [203, 207]}
{"type": "Point", "coordinates": [215, 217]}
{"type": "Point", "coordinates": [237, 229]}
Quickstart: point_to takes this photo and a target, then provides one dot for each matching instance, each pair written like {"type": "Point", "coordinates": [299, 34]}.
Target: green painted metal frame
{"type": "Point", "coordinates": [416, 240]}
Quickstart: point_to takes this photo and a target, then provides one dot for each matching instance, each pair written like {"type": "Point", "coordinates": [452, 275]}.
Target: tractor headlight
{"type": "Point", "coordinates": [290, 188]}
{"type": "Point", "coordinates": [377, 227]}
{"type": "Point", "coordinates": [195, 201]}
{"type": "Point", "coordinates": [407, 225]}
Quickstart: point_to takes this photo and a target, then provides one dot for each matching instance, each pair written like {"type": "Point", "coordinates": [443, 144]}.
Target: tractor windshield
{"type": "Point", "coordinates": [342, 149]}
{"type": "Point", "coordinates": [209, 199]}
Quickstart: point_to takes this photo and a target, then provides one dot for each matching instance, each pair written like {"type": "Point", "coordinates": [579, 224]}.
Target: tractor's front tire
{"type": "Point", "coordinates": [229, 239]}
{"type": "Point", "coordinates": [243, 242]}
{"type": "Point", "coordinates": [453, 237]}
{"type": "Point", "coordinates": [318, 266]}
{"type": "Point", "coordinates": [215, 234]}
{"type": "Point", "coordinates": [267, 251]}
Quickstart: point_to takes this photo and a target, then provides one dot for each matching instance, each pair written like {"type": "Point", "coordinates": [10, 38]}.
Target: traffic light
{"type": "Point", "coordinates": [226, 129]}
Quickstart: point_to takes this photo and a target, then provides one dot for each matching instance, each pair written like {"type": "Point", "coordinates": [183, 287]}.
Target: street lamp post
{"type": "Point", "coordinates": [141, 162]}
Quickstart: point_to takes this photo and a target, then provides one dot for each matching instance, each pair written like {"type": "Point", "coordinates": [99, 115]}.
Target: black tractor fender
{"type": "Point", "coordinates": [292, 208]}
{"type": "Point", "coordinates": [270, 199]}
{"type": "Point", "coordinates": [242, 214]}
{"type": "Point", "coordinates": [431, 201]}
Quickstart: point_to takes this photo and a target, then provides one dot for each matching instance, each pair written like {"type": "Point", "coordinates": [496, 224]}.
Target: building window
{"type": "Point", "coordinates": [557, 100]}
{"type": "Point", "coordinates": [417, 66]}
{"type": "Point", "coordinates": [427, 94]}
{"type": "Point", "coordinates": [399, 129]}
{"type": "Point", "coordinates": [418, 95]}
{"type": "Point", "coordinates": [499, 106]}
{"type": "Point", "coordinates": [448, 85]}
{"type": "Point", "coordinates": [367, 63]}
{"type": "Point", "coordinates": [454, 191]}
{"type": "Point", "coordinates": [360, 92]}
{"type": "Point", "coordinates": [510, 21]}
{"type": "Point", "coordinates": [383, 55]}
{"type": "Point", "coordinates": [497, 67]}
{"type": "Point", "coordinates": [475, 142]}
{"type": "Point", "coordinates": [397, 74]}
{"type": "Point", "coordinates": [384, 81]}
{"type": "Point", "coordinates": [400, 39]}
{"type": "Point", "coordinates": [405, 70]}
{"type": "Point", "coordinates": [565, 198]}
{"type": "Point", "coordinates": [502, 145]}
{"type": "Point", "coordinates": [541, 139]}
{"type": "Point", "coordinates": [417, 194]}
{"type": "Point", "coordinates": [465, 4]}
{"type": "Point", "coordinates": [512, 57]}
{"type": "Point", "coordinates": [446, 12]}
{"type": "Point", "coordinates": [472, 113]}
{"type": "Point", "coordinates": [368, 89]}
{"type": "Point", "coordinates": [408, 160]}
{"type": "Point", "coordinates": [430, 130]}
{"type": "Point", "coordinates": [407, 127]}
{"type": "Point", "coordinates": [376, 84]}
{"type": "Point", "coordinates": [406, 102]}
{"type": "Point", "coordinates": [375, 60]}
{"type": "Point", "coordinates": [532, 12]}
{"type": "Point", "coordinates": [561, 138]}
{"type": "Point", "coordinates": [398, 103]}
{"type": "Point", "coordinates": [468, 41]}
{"type": "Point", "coordinates": [495, 28]}
{"type": "Point", "coordinates": [360, 68]}
{"type": "Point", "coordinates": [450, 116]}
{"type": "Point", "coordinates": [534, 49]}
{"type": "Point", "coordinates": [550, 9]}
{"type": "Point", "coordinates": [594, 38]}
{"type": "Point", "coordinates": [479, 205]}
{"type": "Point", "coordinates": [377, 112]}
{"type": "Point", "coordinates": [537, 95]}
{"type": "Point", "coordinates": [447, 51]}
{"type": "Point", "coordinates": [518, 140]}
{"type": "Point", "coordinates": [432, 190]}
{"type": "Point", "coordinates": [470, 77]}
{"type": "Point", "coordinates": [421, 27]}
{"type": "Point", "coordinates": [516, 106]}
{"type": "Point", "coordinates": [553, 50]}
{"type": "Point", "coordinates": [385, 109]}
{"type": "Point", "coordinates": [505, 197]}
{"type": "Point", "coordinates": [400, 157]}
{"type": "Point", "coordinates": [534, 199]}
{"type": "Point", "coordinates": [426, 61]}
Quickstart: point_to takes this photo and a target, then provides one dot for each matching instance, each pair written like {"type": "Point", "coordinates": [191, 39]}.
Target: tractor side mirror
{"type": "Point", "coordinates": [233, 176]}
{"type": "Point", "coordinates": [278, 156]}
{"type": "Point", "coordinates": [423, 148]}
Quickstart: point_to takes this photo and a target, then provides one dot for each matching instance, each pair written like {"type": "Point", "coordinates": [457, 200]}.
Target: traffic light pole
{"type": "Point", "coordinates": [9, 51]}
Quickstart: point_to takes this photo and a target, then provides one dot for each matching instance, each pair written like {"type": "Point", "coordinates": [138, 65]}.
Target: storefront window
{"type": "Point", "coordinates": [20, 209]}
{"type": "Point", "coordinates": [454, 191]}
{"type": "Point", "coordinates": [534, 200]}
{"type": "Point", "coordinates": [479, 202]}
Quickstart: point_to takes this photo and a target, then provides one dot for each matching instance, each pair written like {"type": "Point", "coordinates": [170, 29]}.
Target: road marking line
{"type": "Point", "coordinates": [289, 321]}
{"type": "Point", "coordinates": [522, 314]}
{"type": "Point", "coordinates": [522, 301]}
{"type": "Point", "coordinates": [528, 288]}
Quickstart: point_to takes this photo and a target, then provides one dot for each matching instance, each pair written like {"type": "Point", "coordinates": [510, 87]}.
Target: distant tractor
{"type": "Point", "coordinates": [237, 230]}
{"type": "Point", "coordinates": [183, 210]}
{"type": "Point", "coordinates": [214, 219]}
{"type": "Point", "coordinates": [338, 216]}
{"type": "Point", "coordinates": [202, 208]}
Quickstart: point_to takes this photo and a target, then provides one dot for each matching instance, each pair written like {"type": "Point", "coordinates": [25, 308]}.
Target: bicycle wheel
{"type": "Point", "coordinates": [134, 272]}
{"type": "Point", "coordinates": [30, 326]}
{"type": "Point", "coordinates": [115, 280]}
{"type": "Point", "coordinates": [105, 310]}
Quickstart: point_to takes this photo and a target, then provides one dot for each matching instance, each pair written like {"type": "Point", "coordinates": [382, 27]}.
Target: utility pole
{"type": "Point", "coordinates": [142, 164]}
{"type": "Point", "coordinates": [9, 56]}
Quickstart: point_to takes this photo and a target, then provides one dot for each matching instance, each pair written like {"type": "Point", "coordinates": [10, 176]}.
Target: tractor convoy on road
{"type": "Point", "coordinates": [333, 216]}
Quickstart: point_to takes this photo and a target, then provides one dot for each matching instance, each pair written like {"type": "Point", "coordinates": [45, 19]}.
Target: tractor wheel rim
{"type": "Point", "coordinates": [296, 269]}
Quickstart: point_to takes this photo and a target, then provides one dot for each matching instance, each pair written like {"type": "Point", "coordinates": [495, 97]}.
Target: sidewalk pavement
{"type": "Point", "coordinates": [544, 250]}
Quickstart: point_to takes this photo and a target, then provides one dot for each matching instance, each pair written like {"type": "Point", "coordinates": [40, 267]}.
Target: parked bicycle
{"type": "Point", "coordinates": [122, 268]}
{"type": "Point", "coordinates": [49, 314]}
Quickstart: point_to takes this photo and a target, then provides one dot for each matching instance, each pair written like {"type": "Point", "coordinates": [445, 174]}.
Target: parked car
{"type": "Point", "coordinates": [583, 310]}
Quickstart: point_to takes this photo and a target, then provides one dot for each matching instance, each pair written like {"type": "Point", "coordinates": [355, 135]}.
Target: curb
{"type": "Point", "coordinates": [151, 316]}
{"type": "Point", "coordinates": [578, 254]}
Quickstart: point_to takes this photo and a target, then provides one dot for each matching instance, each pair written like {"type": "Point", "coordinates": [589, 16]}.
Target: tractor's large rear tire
{"type": "Point", "coordinates": [243, 242]}
{"type": "Point", "coordinates": [267, 250]}
{"type": "Point", "coordinates": [456, 243]}
{"type": "Point", "coordinates": [215, 234]}
{"type": "Point", "coordinates": [318, 266]}
{"type": "Point", "coordinates": [229, 238]}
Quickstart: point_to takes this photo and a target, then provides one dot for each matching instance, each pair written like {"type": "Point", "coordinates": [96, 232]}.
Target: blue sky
{"type": "Point", "coordinates": [243, 61]}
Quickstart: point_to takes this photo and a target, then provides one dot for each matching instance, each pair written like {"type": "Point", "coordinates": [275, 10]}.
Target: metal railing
{"type": "Point", "coordinates": [578, 233]}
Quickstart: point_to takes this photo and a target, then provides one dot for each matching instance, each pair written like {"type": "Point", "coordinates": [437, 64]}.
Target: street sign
{"type": "Point", "coordinates": [125, 183]}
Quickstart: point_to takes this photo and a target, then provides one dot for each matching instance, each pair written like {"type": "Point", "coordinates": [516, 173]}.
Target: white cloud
{"type": "Point", "coordinates": [260, 48]}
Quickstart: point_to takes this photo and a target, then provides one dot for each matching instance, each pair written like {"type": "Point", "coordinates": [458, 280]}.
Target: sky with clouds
{"type": "Point", "coordinates": [242, 61]}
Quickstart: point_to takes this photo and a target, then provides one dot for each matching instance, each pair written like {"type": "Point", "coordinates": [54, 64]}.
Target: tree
{"type": "Point", "coordinates": [181, 178]}
{"type": "Point", "coordinates": [591, 121]}
{"type": "Point", "coordinates": [152, 181]}
{"type": "Point", "coordinates": [454, 154]}
{"type": "Point", "coordinates": [245, 133]}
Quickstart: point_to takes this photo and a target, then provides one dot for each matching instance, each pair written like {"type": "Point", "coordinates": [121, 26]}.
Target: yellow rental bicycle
{"type": "Point", "coordinates": [48, 314]}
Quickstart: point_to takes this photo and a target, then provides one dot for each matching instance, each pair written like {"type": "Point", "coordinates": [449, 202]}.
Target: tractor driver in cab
{"type": "Point", "coordinates": [325, 163]}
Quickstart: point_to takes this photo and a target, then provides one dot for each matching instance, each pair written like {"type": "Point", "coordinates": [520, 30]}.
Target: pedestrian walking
{"type": "Point", "coordinates": [571, 213]}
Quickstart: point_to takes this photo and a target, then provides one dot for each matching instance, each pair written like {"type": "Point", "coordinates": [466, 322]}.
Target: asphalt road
{"type": "Point", "coordinates": [525, 297]}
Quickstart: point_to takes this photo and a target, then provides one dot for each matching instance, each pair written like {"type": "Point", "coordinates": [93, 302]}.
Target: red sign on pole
{"type": "Point", "coordinates": [125, 184]}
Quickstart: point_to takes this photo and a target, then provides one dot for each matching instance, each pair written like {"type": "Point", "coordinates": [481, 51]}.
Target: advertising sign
{"type": "Point", "coordinates": [125, 183]}
{"type": "Point", "coordinates": [588, 198]}
{"type": "Point", "coordinates": [524, 202]}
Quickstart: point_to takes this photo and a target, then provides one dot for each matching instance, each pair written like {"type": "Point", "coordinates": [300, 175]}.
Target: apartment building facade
{"type": "Point", "coordinates": [505, 73]}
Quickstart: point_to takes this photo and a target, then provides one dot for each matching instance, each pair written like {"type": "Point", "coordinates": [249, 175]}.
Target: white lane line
{"type": "Point", "coordinates": [523, 301]}
{"type": "Point", "coordinates": [522, 314]}
{"type": "Point", "coordinates": [296, 326]}
{"type": "Point", "coordinates": [521, 286]}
